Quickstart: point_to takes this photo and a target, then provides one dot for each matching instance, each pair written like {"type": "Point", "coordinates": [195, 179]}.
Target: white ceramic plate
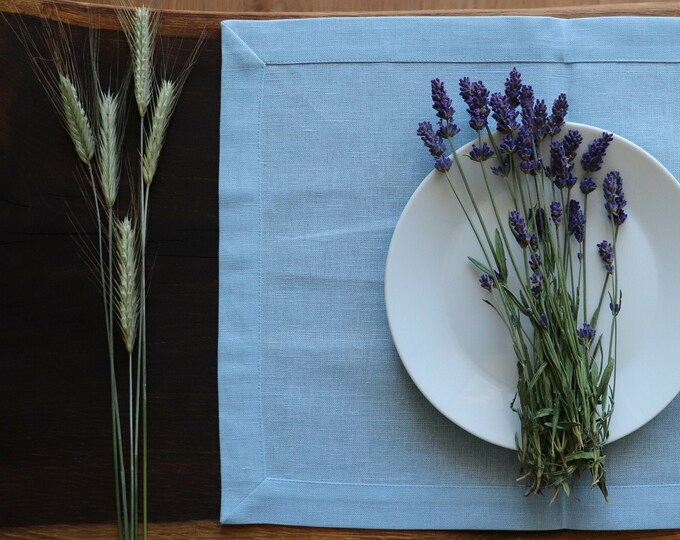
{"type": "Point", "coordinates": [454, 346]}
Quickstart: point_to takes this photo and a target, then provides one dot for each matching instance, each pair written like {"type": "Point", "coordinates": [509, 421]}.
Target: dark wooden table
{"type": "Point", "coordinates": [56, 479]}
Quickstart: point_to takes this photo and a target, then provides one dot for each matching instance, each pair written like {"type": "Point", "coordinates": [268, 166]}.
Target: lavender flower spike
{"type": "Point", "coordinates": [441, 101]}
{"type": "Point", "coordinates": [586, 333]}
{"type": "Point", "coordinates": [433, 142]}
{"type": "Point", "coordinates": [577, 221]}
{"type": "Point", "coordinates": [556, 212]}
{"type": "Point", "coordinates": [536, 285]}
{"type": "Point", "coordinates": [559, 111]}
{"type": "Point", "coordinates": [591, 160]}
{"type": "Point", "coordinates": [587, 185]}
{"type": "Point", "coordinates": [606, 251]}
{"type": "Point", "coordinates": [487, 282]}
{"type": "Point", "coordinates": [612, 186]}
{"type": "Point", "coordinates": [513, 87]}
{"type": "Point", "coordinates": [503, 113]}
{"type": "Point", "coordinates": [480, 154]}
{"type": "Point", "coordinates": [572, 140]}
{"type": "Point", "coordinates": [519, 228]}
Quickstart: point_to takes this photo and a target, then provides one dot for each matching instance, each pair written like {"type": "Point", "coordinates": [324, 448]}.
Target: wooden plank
{"type": "Point", "coordinates": [192, 23]}
{"type": "Point", "coordinates": [209, 530]}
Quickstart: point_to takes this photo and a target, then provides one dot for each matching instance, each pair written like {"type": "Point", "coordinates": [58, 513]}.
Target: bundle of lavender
{"type": "Point", "coordinates": [533, 266]}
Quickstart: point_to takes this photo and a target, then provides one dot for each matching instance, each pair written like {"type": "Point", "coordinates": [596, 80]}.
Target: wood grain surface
{"type": "Point", "coordinates": [55, 442]}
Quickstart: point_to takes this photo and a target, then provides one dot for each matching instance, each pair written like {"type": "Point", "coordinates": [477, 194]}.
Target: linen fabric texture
{"type": "Point", "coordinates": [320, 424]}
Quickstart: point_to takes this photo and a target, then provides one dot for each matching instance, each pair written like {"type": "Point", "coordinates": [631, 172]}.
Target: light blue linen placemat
{"type": "Point", "coordinates": [319, 422]}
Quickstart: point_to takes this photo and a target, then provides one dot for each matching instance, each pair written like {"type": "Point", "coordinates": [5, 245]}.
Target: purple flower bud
{"type": "Point", "coordinates": [586, 333]}
{"type": "Point", "coordinates": [508, 146]}
{"type": "Point", "coordinates": [443, 163]}
{"type": "Point", "coordinates": [480, 154]}
{"type": "Point", "coordinates": [535, 262]}
{"type": "Point", "coordinates": [519, 228]}
{"type": "Point", "coordinates": [577, 221]}
{"type": "Point", "coordinates": [476, 97]}
{"type": "Point", "coordinates": [543, 321]}
{"type": "Point", "coordinates": [504, 114]}
{"type": "Point", "coordinates": [441, 101]}
{"type": "Point", "coordinates": [606, 251]}
{"type": "Point", "coordinates": [556, 212]}
{"type": "Point", "coordinates": [513, 87]}
{"type": "Point", "coordinates": [540, 120]}
{"type": "Point", "coordinates": [588, 185]}
{"type": "Point", "coordinates": [487, 282]}
{"type": "Point", "coordinates": [560, 168]}
{"type": "Point", "coordinates": [433, 142]}
{"type": "Point", "coordinates": [559, 112]}
{"type": "Point", "coordinates": [503, 169]}
{"type": "Point", "coordinates": [536, 285]}
{"type": "Point", "coordinates": [572, 140]}
{"type": "Point", "coordinates": [591, 160]}
{"type": "Point", "coordinates": [615, 201]}
{"type": "Point", "coordinates": [447, 130]}
{"type": "Point", "coordinates": [615, 308]}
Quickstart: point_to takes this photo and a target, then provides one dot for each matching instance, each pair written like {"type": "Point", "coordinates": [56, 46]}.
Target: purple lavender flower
{"type": "Point", "coordinates": [487, 282]}
{"type": "Point", "coordinates": [543, 321]}
{"type": "Point", "coordinates": [535, 262]}
{"type": "Point", "coordinates": [525, 151]}
{"type": "Point", "coordinates": [433, 142]}
{"type": "Point", "coordinates": [536, 284]}
{"type": "Point", "coordinates": [476, 97]}
{"type": "Point", "coordinates": [540, 120]}
{"type": "Point", "coordinates": [586, 333]}
{"type": "Point", "coordinates": [526, 97]}
{"type": "Point", "coordinates": [615, 201]}
{"type": "Point", "coordinates": [503, 113]}
{"type": "Point", "coordinates": [615, 308]}
{"type": "Point", "coordinates": [441, 101]}
{"type": "Point", "coordinates": [556, 212]}
{"type": "Point", "coordinates": [560, 167]}
{"type": "Point", "coordinates": [503, 169]}
{"type": "Point", "coordinates": [572, 140]}
{"type": "Point", "coordinates": [443, 163]}
{"type": "Point", "coordinates": [465, 89]}
{"type": "Point", "coordinates": [577, 221]}
{"type": "Point", "coordinates": [559, 112]}
{"type": "Point", "coordinates": [519, 228]}
{"type": "Point", "coordinates": [591, 160]}
{"type": "Point", "coordinates": [606, 251]}
{"type": "Point", "coordinates": [513, 87]}
{"type": "Point", "coordinates": [587, 185]}
{"type": "Point", "coordinates": [447, 130]}
{"type": "Point", "coordinates": [480, 154]}
{"type": "Point", "coordinates": [508, 146]}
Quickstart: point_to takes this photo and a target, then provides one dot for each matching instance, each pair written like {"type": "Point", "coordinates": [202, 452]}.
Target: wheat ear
{"type": "Point", "coordinates": [109, 147]}
{"type": "Point", "coordinates": [162, 112]}
{"type": "Point", "coordinates": [77, 122]}
{"type": "Point", "coordinates": [141, 32]}
{"type": "Point", "coordinates": [127, 293]}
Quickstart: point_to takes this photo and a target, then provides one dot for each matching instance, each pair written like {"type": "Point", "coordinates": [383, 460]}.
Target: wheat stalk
{"type": "Point", "coordinates": [162, 112]}
{"type": "Point", "coordinates": [77, 122]}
